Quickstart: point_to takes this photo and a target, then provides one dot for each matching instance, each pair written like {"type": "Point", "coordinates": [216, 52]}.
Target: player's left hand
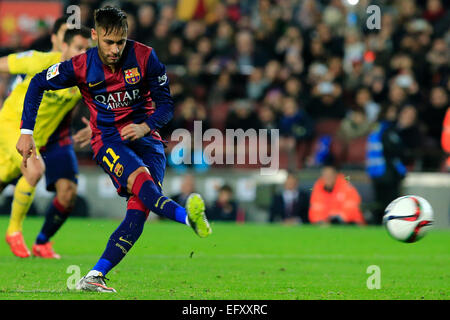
{"type": "Point", "coordinates": [134, 131]}
{"type": "Point", "coordinates": [83, 136]}
{"type": "Point", "coordinates": [26, 147]}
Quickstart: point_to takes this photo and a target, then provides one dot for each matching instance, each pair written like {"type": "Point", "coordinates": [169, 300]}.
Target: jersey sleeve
{"type": "Point", "coordinates": [159, 92]}
{"type": "Point", "coordinates": [30, 62]}
{"type": "Point", "coordinates": [58, 76]}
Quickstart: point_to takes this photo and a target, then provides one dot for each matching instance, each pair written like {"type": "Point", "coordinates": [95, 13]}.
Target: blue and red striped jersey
{"type": "Point", "coordinates": [137, 91]}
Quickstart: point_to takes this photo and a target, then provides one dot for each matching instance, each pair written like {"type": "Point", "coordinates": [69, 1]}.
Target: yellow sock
{"type": "Point", "coordinates": [23, 198]}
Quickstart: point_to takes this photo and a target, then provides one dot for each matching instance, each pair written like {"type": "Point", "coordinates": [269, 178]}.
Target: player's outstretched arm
{"type": "Point", "coordinates": [58, 76]}
{"type": "Point", "coordinates": [28, 62]}
{"type": "Point", "coordinates": [4, 67]}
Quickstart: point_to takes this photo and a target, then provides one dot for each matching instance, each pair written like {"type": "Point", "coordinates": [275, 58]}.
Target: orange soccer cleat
{"type": "Point", "coordinates": [45, 251]}
{"type": "Point", "coordinates": [17, 245]}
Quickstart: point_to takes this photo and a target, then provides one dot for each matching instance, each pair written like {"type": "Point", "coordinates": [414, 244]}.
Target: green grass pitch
{"type": "Point", "coordinates": [236, 262]}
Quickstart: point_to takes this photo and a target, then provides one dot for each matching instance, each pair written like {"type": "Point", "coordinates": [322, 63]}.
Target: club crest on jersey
{"type": "Point", "coordinates": [132, 75]}
{"type": "Point", "coordinates": [118, 170]}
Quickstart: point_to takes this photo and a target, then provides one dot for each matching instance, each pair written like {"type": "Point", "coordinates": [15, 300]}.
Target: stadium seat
{"type": "Point", "coordinates": [327, 127]}
{"type": "Point", "coordinates": [351, 153]}
{"type": "Point", "coordinates": [303, 150]}
{"type": "Point", "coordinates": [356, 151]}
{"type": "Point", "coordinates": [338, 149]}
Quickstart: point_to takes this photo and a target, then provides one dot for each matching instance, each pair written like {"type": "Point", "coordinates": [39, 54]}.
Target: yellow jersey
{"type": "Point", "coordinates": [55, 104]}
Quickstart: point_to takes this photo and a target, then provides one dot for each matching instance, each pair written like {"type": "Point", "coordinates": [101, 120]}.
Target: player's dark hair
{"type": "Point", "coordinates": [71, 33]}
{"type": "Point", "coordinates": [58, 24]}
{"type": "Point", "coordinates": [111, 19]}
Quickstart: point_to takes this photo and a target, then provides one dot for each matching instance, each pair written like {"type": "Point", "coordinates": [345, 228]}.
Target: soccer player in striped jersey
{"type": "Point", "coordinates": [120, 81]}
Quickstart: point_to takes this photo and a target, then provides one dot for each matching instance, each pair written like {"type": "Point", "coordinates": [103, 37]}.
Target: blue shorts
{"type": "Point", "coordinates": [60, 162]}
{"type": "Point", "coordinates": [120, 159]}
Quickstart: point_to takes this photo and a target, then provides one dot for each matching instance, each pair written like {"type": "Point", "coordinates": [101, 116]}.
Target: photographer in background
{"type": "Point", "coordinates": [445, 138]}
{"type": "Point", "coordinates": [334, 200]}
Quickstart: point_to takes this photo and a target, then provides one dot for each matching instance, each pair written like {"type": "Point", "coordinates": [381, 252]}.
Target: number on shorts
{"type": "Point", "coordinates": [114, 156]}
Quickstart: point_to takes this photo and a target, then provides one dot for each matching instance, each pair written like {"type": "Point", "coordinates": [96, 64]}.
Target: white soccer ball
{"type": "Point", "coordinates": [408, 218]}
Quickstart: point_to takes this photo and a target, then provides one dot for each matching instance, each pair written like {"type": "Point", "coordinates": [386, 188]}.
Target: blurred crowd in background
{"type": "Point", "coordinates": [310, 68]}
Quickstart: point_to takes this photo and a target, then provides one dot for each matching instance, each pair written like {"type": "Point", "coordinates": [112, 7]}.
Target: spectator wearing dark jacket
{"type": "Point", "coordinates": [242, 116]}
{"type": "Point", "coordinates": [409, 133]}
{"type": "Point", "coordinates": [225, 208]}
{"type": "Point", "coordinates": [291, 204]}
{"type": "Point", "coordinates": [295, 126]}
{"type": "Point", "coordinates": [295, 122]}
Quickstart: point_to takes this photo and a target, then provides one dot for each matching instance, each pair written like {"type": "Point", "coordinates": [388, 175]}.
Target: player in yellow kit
{"type": "Point", "coordinates": [56, 104]}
